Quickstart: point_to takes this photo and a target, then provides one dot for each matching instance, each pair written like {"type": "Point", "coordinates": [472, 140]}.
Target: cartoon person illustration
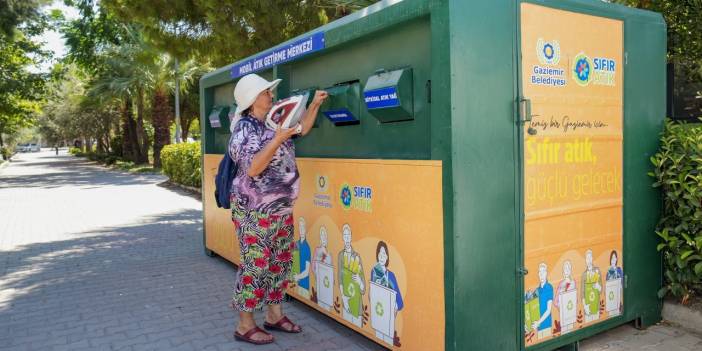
{"type": "Point", "coordinates": [321, 254]}
{"type": "Point", "coordinates": [351, 280]}
{"type": "Point", "coordinates": [323, 270]}
{"type": "Point", "coordinates": [566, 298]}
{"type": "Point", "coordinates": [543, 325]}
{"type": "Point", "coordinates": [592, 288]}
{"type": "Point", "coordinates": [614, 285]}
{"type": "Point", "coordinates": [383, 276]}
{"type": "Point", "coordinates": [614, 272]}
{"type": "Point", "coordinates": [303, 277]}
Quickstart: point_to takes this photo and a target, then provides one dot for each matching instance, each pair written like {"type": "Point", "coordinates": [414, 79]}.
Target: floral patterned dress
{"type": "Point", "coordinates": [262, 216]}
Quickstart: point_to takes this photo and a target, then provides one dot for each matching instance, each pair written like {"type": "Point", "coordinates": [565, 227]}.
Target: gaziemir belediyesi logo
{"type": "Point", "coordinates": [321, 198]}
{"type": "Point", "coordinates": [547, 72]}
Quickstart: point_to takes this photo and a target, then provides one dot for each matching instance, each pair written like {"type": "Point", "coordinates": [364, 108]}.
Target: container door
{"type": "Point", "coordinates": [571, 111]}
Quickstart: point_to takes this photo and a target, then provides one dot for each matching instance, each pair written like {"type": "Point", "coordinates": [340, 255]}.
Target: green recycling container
{"type": "Point", "coordinates": [477, 179]}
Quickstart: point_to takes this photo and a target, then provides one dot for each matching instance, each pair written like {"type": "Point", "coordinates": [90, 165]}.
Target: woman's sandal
{"type": "Point", "coordinates": [280, 326]}
{"type": "Point", "coordinates": [248, 336]}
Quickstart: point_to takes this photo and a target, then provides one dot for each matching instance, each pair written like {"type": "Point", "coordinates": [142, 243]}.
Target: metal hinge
{"type": "Point", "coordinates": [524, 110]}
{"type": "Point", "coordinates": [525, 114]}
{"type": "Point", "coordinates": [522, 271]}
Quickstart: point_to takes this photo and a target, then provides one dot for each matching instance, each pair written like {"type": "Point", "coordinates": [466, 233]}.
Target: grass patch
{"type": "Point", "coordinates": [129, 166]}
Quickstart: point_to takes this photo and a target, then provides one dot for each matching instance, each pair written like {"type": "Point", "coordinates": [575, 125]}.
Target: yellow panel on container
{"type": "Point", "coordinates": [573, 73]}
{"type": "Point", "coordinates": [370, 234]}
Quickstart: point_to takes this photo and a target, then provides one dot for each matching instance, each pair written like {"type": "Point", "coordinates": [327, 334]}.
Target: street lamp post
{"type": "Point", "coordinates": [177, 104]}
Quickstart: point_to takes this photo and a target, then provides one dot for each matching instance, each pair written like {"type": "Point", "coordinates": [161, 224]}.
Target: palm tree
{"type": "Point", "coordinates": [161, 78]}
{"type": "Point", "coordinates": [125, 79]}
{"type": "Point", "coordinates": [189, 74]}
{"type": "Point", "coordinates": [160, 84]}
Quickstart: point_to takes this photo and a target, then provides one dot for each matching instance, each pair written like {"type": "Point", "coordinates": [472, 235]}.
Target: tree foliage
{"type": "Point", "coordinates": [684, 21]}
{"type": "Point", "coordinates": [222, 31]}
{"type": "Point", "coordinates": [68, 114]}
{"type": "Point", "coordinates": [20, 89]}
{"type": "Point", "coordinates": [25, 13]}
{"type": "Point", "coordinates": [90, 35]}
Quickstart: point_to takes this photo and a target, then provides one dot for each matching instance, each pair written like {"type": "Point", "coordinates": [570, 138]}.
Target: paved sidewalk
{"type": "Point", "coordinates": [661, 337]}
{"type": "Point", "coordinates": [100, 260]}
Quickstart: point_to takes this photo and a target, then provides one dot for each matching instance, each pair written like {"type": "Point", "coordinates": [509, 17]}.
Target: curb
{"type": "Point", "coordinates": [685, 317]}
{"type": "Point", "coordinates": [185, 187]}
{"type": "Point", "coordinates": [4, 164]}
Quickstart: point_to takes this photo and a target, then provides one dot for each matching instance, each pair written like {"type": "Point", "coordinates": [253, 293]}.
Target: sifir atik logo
{"type": "Point", "coordinates": [356, 197]}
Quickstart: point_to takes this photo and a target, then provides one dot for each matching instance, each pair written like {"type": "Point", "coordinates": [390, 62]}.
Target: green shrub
{"type": "Point", "coordinates": [5, 152]}
{"type": "Point", "coordinates": [678, 172]}
{"type": "Point", "coordinates": [181, 163]}
{"type": "Point", "coordinates": [75, 151]}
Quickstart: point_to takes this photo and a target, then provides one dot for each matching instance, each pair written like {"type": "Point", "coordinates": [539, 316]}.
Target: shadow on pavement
{"type": "Point", "coordinates": [148, 284]}
{"type": "Point", "coordinates": [74, 171]}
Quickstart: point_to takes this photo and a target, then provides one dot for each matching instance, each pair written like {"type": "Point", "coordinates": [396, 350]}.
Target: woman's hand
{"type": "Point", "coordinates": [308, 120]}
{"type": "Point", "coordinates": [262, 158]}
{"type": "Point", "coordinates": [281, 135]}
{"type": "Point", "coordinates": [319, 97]}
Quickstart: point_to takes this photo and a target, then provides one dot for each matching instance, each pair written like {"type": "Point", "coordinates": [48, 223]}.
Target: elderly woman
{"type": "Point", "coordinates": [263, 192]}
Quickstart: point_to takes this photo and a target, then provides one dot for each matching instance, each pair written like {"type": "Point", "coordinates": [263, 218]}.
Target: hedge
{"type": "Point", "coordinates": [678, 173]}
{"type": "Point", "coordinates": [181, 163]}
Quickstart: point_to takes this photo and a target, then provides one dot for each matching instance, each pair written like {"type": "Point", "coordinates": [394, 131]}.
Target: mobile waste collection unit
{"type": "Point", "coordinates": [480, 165]}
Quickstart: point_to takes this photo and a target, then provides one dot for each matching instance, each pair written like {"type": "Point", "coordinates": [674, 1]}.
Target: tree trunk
{"type": "Point", "coordinates": [108, 143]}
{"type": "Point", "coordinates": [161, 120]}
{"type": "Point", "coordinates": [185, 122]}
{"type": "Point", "coordinates": [2, 141]}
{"type": "Point", "coordinates": [100, 145]}
{"type": "Point", "coordinates": [130, 146]}
{"type": "Point", "coordinates": [143, 141]}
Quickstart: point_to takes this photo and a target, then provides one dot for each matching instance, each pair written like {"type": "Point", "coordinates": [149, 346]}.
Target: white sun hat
{"type": "Point", "coordinates": [246, 91]}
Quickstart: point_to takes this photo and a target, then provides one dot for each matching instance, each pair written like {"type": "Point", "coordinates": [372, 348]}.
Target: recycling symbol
{"type": "Point", "coordinates": [326, 282]}
{"type": "Point", "coordinates": [351, 290]}
{"type": "Point", "coordinates": [611, 295]}
{"type": "Point", "coordinates": [379, 310]}
{"type": "Point", "coordinates": [570, 305]}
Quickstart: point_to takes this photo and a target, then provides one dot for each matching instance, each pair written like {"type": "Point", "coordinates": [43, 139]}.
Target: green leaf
{"type": "Point", "coordinates": [686, 254]}
{"type": "Point", "coordinates": [663, 234]}
{"type": "Point", "coordinates": [698, 268]}
{"type": "Point", "coordinates": [687, 237]}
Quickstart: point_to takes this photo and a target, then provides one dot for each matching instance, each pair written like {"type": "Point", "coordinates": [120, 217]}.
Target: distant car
{"type": "Point", "coordinates": [22, 147]}
{"type": "Point", "coordinates": [34, 147]}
